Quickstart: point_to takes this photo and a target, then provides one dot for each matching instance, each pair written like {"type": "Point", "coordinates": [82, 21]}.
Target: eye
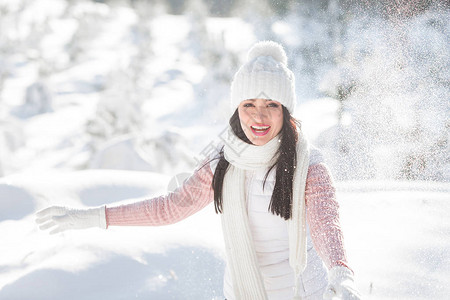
{"type": "Point", "coordinates": [247, 105]}
{"type": "Point", "coordinates": [273, 104]}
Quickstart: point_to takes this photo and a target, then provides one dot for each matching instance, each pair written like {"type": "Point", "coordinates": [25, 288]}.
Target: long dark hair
{"type": "Point", "coordinates": [281, 201]}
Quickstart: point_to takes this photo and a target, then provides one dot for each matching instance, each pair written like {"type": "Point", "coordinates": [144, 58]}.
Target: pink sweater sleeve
{"type": "Point", "coordinates": [323, 216]}
{"type": "Point", "coordinates": [195, 193]}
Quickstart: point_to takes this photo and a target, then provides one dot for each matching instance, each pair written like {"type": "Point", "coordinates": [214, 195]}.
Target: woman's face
{"type": "Point", "coordinates": [261, 119]}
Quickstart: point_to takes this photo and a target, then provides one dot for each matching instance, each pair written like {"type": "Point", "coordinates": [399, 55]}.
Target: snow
{"type": "Point", "coordinates": [395, 236]}
{"type": "Point", "coordinates": [148, 262]}
{"type": "Point", "coordinates": [130, 107]}
{"type": "Point", "coordinates": [396, 241]}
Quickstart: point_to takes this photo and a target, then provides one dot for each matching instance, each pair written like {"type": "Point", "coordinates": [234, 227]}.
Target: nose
{"type": "Point", "coordinates": [260, 114]}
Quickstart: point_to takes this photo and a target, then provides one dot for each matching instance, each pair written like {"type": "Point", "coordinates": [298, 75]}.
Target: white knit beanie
{"type": "Point", "coordinates": [264, 76]}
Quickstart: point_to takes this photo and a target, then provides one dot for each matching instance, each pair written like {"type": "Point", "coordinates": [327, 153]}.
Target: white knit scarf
{"type": "Point", "coordinates": [246, 277]}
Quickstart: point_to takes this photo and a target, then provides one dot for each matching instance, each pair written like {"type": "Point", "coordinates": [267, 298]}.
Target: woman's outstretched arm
{"type": "Point", "coordinates": [194, 194]}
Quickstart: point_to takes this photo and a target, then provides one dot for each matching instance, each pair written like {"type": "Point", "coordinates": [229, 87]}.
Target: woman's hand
{"type": "Point", "coordinates": [60, 219]}
{"type": "Point", "coordinates": [341, 285]}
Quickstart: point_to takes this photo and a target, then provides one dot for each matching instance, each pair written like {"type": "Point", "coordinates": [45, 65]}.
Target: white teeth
{"type": "Point", "coordinates": [260, 127]}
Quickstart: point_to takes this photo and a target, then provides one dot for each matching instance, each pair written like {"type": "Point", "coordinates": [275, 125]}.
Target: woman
{"type": "Point", "coordinates": [275, 196]}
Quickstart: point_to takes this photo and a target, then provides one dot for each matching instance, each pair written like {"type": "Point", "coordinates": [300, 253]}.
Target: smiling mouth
{"type": "Point", "coordinates": [260, 130]}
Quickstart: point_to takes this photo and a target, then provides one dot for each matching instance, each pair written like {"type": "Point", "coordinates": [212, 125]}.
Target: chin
{"type": "Point", "coordinates": [260, 141]}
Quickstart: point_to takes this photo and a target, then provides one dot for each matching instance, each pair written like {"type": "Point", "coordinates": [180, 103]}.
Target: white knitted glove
{"type": "Point", "coordinates": [341, 285]}
{"type": "Point", "coordinates": [62, 218]}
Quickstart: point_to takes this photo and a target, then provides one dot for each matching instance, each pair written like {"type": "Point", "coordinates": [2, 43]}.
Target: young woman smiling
{"type": "Point", "coordinates": [261, 119]}
{"type": "Point", "coordinates": [272, 190]}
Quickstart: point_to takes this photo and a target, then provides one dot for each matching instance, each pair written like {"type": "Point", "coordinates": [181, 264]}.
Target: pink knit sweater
{"type": "Point", "coordinates": [196, 193]}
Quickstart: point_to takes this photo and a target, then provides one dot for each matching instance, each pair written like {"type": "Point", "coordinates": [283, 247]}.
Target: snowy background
{"type": "Point", "coordinates": [103, 102]}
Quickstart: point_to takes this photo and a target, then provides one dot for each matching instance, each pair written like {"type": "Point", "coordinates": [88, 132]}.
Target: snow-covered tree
{"type": "Point", "coordinates": [212, 51]}
{"type": "Point", "coordinates": [397, 110]}
{"type": "Point", "coordinates": [10, 42]}
{"type": "Point", "coordinates": [11, 139]}
{"type": "Point", "coordinates": [90, 18]}
{"type": "Point", "coordinates": [38, 99]}
{"type": "Point", "coordinates": [123, 135]}
{"type": "Point", "coordinates": [119, 109]}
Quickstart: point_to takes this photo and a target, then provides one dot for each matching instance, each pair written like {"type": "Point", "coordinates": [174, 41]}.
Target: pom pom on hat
{"type": "Point", "coordinates": [268, 48]}
{"type": "Point", "coordinates": [264, 76]}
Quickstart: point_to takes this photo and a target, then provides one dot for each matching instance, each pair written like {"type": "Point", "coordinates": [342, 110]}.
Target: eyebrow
{"type": "Point", "coordinates": [253, 100]}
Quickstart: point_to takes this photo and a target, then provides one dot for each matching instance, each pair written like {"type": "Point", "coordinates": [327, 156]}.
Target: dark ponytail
{"type": "Point", "coordinates": [281, 200]}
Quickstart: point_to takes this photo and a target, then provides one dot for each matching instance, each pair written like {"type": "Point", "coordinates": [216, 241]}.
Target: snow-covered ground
{"type": "Point", "coordinates": [182, 261]}
{"type": "Point", "coordinates": [61, 145]}
{"type": "Point", "coordinates": [397, 236]}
